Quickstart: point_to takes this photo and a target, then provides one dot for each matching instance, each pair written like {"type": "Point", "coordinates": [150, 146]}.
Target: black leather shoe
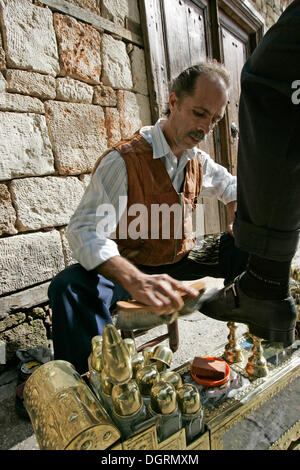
{"type": "Point", "coordinates": [273, 320]}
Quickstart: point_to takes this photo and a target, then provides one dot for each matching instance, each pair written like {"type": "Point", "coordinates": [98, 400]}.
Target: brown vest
{"type": "Point", "coordinates": [149, 184]}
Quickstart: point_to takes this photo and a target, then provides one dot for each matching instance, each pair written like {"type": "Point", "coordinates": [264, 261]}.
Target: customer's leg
{"type": "Point", "coordinates": [268, 212]}
{"type": "Point", "coordinates": [81, 303]}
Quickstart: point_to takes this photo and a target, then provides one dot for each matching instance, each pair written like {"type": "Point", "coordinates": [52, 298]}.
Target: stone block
{"type": "Point", "coordinates": [79, 47]}
{"type": "Point", "coordinates": [138, 68]}
{"type": "Point", "coordinates": [86, 179]}
{"type": "Point", "coordinates": [3, 84]}
{"type": "Point", "coordinates": [31, 83]}
{"type": "Point", "coordinates": [45, 202]}
{"type": "Point", "coordinates": [104, 95]}
{"type": "Point", "coordinates": [90, 5]}
{"type": "Point", "coordinates": [75, 91]}
{"type": "Point", "coordinates": [118, 10]}
{"type": "Point", "coordinates": [66, 249]}
{"type": "Point", "coordinates": [112, 120]}
{"type": "Point", "coordinates": [7, 212]}
{"type": "Point", "coordinates": [30, 41]}
{"type": "Point", "coordinates": [2, 56]}
{"type": "Point", "coordinates": [25, 148]}
{"type": "Point", "coordinates": [29, 259]}
{"type": "Point", "coordinates": [12, 320]}
{"type": "Point", "coordinates": [134, 110]}
{"type": "Point", "coordinates": [20, 103]}
{"type": "Point", "coordinates": [78, 135]}
{"type": "Point", "coordinates": [24, 336]}
{"type": "Point", "coordinates": [116, 64]}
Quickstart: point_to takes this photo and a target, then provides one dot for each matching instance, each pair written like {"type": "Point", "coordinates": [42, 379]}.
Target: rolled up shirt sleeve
{"type": "Point", "coordinates": [217, 181]}
{"type": "Point", "coordinates": [94, 222]}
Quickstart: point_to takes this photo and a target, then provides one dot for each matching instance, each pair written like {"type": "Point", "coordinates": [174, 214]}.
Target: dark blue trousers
{"type": "Point", "coordinates": [82, 301]}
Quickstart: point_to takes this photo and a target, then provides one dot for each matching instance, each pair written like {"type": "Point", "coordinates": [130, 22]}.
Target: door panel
{"type": "Point", "coordinates": [235, 46]}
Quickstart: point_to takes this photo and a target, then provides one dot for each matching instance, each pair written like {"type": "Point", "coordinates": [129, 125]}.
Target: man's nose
{"type": "Point", "coordinates": [206, 126]}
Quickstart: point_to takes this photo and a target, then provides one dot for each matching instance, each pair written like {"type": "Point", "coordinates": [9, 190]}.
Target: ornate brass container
{"type": "Point", "coordinates": [146, 378]}
{"type": "Point", "coordinates": [64, 412]}
{"type": "Point", "coordinates": [137, 363]}
{"type": "Point", "coordinates": [162, 356]}
{"type": "Point", "coordinates": [172, 377]}
{"type": "Point", "coordinates": [115, 356]}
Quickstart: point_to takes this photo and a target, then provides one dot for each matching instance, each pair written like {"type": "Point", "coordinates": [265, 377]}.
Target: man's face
{"type": "Point", "coordinates": [192, 117]}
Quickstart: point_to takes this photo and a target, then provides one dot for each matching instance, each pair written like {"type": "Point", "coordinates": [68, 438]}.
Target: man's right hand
{"type": "Point", "coordinates": [158, 290]}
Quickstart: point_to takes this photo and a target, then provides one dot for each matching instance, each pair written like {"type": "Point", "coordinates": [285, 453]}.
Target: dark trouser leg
{"type": "Point", "coordinates": [268, 213]}
{"type": "Point", "coordinates": [232, 262]}
{"type": "Point", "coordinates": [81, 302]}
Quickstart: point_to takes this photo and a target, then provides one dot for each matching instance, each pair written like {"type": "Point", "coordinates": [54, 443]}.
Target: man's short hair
{"type": "Point", "coordinates": [184, 84]}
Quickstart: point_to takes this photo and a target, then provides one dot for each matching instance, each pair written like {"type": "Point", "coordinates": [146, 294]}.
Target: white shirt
{"type": "Point", "coordinates": [110, 181]}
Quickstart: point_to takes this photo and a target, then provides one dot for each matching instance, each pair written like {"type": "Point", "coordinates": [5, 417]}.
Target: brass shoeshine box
{"type": "Point", "coordinates": [95, 430]}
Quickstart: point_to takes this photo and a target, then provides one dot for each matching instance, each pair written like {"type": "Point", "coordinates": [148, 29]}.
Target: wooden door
{"type": "Point", "coordinates": [235, 47]}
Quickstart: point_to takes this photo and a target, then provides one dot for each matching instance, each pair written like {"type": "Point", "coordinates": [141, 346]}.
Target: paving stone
{"type": "Point", "coordinates": [78, 135]}
{"type": "Point", "coordinates": [30, 41]}
{"type": "Point", "coordinates": [79, 47]}
{"type": "Point", "coordinates": [29, 259]}
{"type": "Point", "coordinates": [25, 148]}
{"type": "Point", "coordinates": [45, 202]}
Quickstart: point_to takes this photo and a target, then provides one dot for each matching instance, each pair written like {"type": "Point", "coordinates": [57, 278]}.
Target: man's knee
{"type": "Point", "coordinates": [63, 280]}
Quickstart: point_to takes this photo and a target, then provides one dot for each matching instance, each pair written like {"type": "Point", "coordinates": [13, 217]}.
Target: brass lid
{"type": "Point", "coordinates": [126, 398]}
{"type": "Point", "coordinates": [171, 377]}
{"type": "Point", "coordinates": [163, 398]}
{"type": "Point", "coordinates": [96, 358]}
{"type": "Point", "coordinates": [137, 363]}
{"type": "Point", "coordinates": [115, 356]}
{"type": "Point", "coordinates": [96, 341]}
{"type": "Point", "coordinates": [188, 399]}
{"type": "Point", "coordinates": [162, 354]}
{"type": "Point", "coordinates": [106, 384]}
{"type": "Point", "coordinates": [130, 345]}
{"type": "Point", "coordinates": [146, 378]}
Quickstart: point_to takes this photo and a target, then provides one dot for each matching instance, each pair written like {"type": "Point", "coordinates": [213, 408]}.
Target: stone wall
{"type": "Point", "coordinates": [270, 10]}
{"type": "Point", "coordinates": [72, 83]}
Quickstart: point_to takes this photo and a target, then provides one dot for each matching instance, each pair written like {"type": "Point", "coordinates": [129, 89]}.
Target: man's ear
{"type": "Point", "coordinates": [173, 101]}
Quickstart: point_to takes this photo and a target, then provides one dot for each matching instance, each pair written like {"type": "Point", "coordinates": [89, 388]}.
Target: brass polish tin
{"type": "Point", "coordinates": [163, 398]}
{"type": "Point", "coordinates": [146, 378]}
{"type": "Point", "coordinates": [188, 399]}
{"type": "Point", "coordinates": [115, 356]}
{"type": "Point", "coordinates": [172, 377]}
{"type": "Point", "coordinates": [64, 413]}
{"type": "Point", "coordinates": [126, 398]}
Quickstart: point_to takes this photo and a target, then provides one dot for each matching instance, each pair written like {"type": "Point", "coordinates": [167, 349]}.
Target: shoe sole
{"type": "Point", "coordinates": [287, 337]}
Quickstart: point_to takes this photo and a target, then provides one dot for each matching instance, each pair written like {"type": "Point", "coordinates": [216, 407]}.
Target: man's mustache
{"type": "Point", "coordinates": [198, 135]}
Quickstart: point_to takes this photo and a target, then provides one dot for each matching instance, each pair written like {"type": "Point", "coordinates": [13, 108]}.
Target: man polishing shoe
{"type": "Point", "coordinates": [270, 319]}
